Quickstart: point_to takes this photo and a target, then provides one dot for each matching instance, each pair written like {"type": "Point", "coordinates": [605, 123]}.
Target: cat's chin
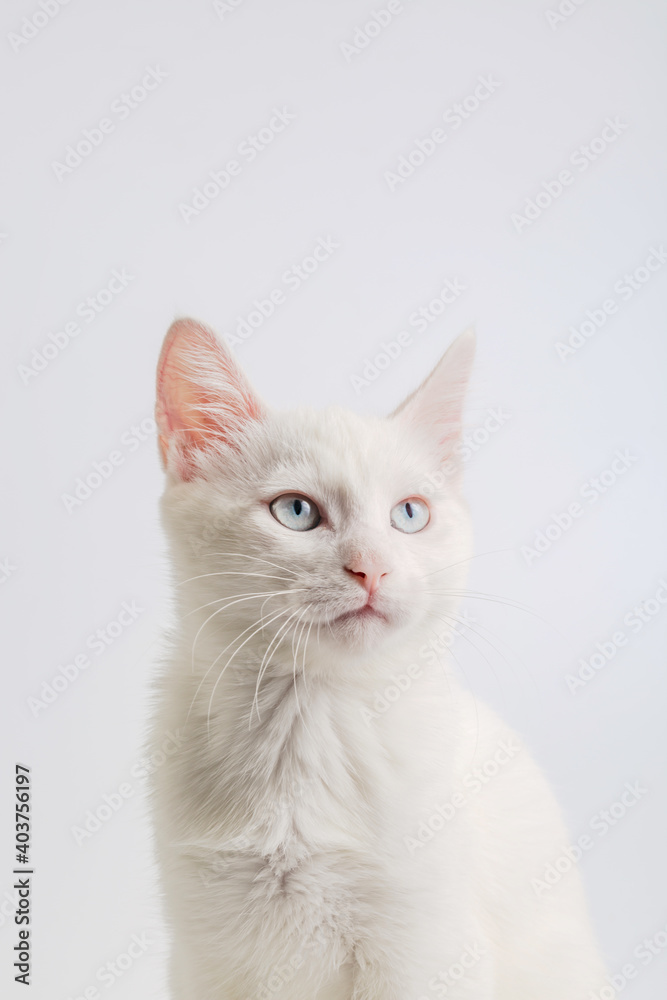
{"type": "Point", "coordinates": [364, 628]}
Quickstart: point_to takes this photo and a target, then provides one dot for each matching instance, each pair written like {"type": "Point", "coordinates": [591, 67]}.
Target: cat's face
{"type": "Point", "coordinates": [317, 525]}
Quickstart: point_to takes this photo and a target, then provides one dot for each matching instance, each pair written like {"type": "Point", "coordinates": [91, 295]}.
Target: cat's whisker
{"type": "Point", "coordinates": [476, 626]}
{"type": "Point", "coordinates": [267, 593]}
{"type": "Point", "coordinates": [450, 621]}
{"type": "Point", "coordinates": [296, 691]}
{"type": "Point", "coordinates": [295, 653]}
{"type": "Point", "coordinates": [245, 555]}
{"type": "Point", "coordinates": [236, 651]}
{"type": "Point", "coordinates": [478, 555]}
{"type": "Point", "coordinates": [262, 669]}
{"type": "Point", "coordinates": [233, 572]}
{"type": "Point", "coordinates": [203, 679]}
{"type": "Point", "coordinates": [296, 624]}
{"type": "Point", "coordinates": [239, 600]}
{"type": "Point", "coordinates": [294, 656]}
{"type": "Point", "coordinates": [507, 602]}
{"type": "Point", "coordinates": [261, 610]}
{"type": "Point", "coordinates": [303, 661]}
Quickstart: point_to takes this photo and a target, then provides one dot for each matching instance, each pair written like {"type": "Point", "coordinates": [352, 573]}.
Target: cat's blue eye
{"type": "Point", "coordinates": [295, 512]}
{"type": "Point", "coordinates": [410, 515]}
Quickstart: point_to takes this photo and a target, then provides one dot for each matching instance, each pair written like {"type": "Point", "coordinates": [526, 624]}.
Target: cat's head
{"type": "Point", "coordinates": [310, 522]}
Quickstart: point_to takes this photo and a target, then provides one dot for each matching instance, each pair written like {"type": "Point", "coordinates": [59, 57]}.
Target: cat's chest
{"type": "Point", "coordinates": [306, 776]}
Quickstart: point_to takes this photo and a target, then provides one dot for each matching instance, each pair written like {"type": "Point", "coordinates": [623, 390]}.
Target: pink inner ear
{"type": "Point", "coordinates": [201, 394]}
{"type": "Point", "coordinates": [437, 405]}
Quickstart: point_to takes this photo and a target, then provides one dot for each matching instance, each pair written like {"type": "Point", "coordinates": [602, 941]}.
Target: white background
{"type": "Point", "coordinates": [356, 113]}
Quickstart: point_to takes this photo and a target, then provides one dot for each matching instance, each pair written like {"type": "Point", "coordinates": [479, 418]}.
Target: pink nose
{"type": "Point", "coordinates": [367, 573]}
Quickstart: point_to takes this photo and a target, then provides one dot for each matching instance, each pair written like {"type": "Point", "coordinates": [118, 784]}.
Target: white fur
{"type": "Point", "coordinates": [286, 823]}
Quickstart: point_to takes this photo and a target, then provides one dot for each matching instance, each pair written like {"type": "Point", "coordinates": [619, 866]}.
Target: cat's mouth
{"type": "Point", "coordinates": [366, 612]}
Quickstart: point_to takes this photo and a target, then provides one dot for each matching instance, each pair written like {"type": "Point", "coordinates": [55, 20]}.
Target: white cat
{"type": "Point", "coordinates": [316, 841]}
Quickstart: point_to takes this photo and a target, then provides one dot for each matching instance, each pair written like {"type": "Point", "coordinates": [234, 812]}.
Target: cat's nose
{"type": "Point", "coordinates": [368, 573]}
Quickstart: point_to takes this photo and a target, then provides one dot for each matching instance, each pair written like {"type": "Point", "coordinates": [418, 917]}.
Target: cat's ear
{"type": "Point", "coordinates": [437, 405]}
{"type": "Point", "coordinates": [203, 398]}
